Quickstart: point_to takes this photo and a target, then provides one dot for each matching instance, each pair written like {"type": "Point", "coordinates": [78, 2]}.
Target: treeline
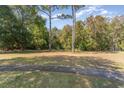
{"type": "Point", "coordinates": [21, 27]}
{"type": "Point", "coordinates": [94, 34]}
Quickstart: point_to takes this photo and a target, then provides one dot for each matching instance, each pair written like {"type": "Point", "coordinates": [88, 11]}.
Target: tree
{"type": "Point", "coordinates": [48, 9]}
{"type": "Point", "coordinates": [23, 27]}
{"type": "Point", "coordinates": [55, 38]}
{"type": "Point", "coordinates": [35, 25]}
{"type": "Point", "coordinates": [39, 33]}
{"type": "Point", "coordinates": [19, 26]}
{"type": "Point", "coordinates": [84, 40]}
{"type": "Point", "coordinates": [117, 33]}
{"type": "Point", "coordinates": [65, 37]}
{"type": "Point", "coordinates": [8, 24]}
{"type": "Point", "coordinates": [74, 9]}
{"type": "Point", "coordinates": [73, 30]}
{"type": "Point", "coordinates": [100, 27]}
{"type": "Point", "coordinates": [22, 14]}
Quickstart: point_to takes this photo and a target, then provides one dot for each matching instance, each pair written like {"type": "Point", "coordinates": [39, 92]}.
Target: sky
{"type": "Point", "coordinates": [106, 10]}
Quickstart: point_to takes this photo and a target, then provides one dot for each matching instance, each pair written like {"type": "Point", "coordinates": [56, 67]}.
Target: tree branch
{"type": "Point", "coordinates": [44, 12]}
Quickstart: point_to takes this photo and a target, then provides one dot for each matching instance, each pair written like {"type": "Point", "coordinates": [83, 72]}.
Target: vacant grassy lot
{"type": "Point", "coordinates": [100, 60]}
{"type": "Point", "coordinates": [53, 79]}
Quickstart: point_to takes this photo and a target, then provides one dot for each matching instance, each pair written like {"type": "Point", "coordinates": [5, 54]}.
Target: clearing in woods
{"type": "Point", "coordinates": [112, 62]}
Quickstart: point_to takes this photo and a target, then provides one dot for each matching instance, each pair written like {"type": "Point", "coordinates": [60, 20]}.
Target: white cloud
{"type": "Point", "coordinates": [104, 12]}
{"type": "Point", "coordinates": [93, 10]}
{"type": "Point", "coordinates": [87, 10]}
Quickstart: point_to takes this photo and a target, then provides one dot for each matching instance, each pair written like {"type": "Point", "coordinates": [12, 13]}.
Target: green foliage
{"type": "Point", "coordinates": [65, 37]}
{"type": "Point", "coordinates": [84, 40]}
{"type": "Point", "coordinates": [105, 32]}
{"type": "Point", "coordinates": [55, 33]}
{"type": "Point", "coordinates": [21, 27]}
{"type": "Point", "coordinates": [38, 33]}
{"type": "Point", "coordinates": [96, 33]}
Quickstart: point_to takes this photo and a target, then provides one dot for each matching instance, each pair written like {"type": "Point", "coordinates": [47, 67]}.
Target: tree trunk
{"type": "Point", "coordinates": [50, 29]}
{"type": "Point", "coordinates": [73, 30]}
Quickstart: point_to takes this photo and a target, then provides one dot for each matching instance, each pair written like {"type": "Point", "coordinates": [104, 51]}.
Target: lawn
{"type": "Point", "coordinates": [100, 60]}
{"type": "Point", "coordinates": [53, 79]}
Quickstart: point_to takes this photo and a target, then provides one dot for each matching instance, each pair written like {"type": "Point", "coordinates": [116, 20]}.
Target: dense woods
{"type": "Point", "coordinates": [21, 27]}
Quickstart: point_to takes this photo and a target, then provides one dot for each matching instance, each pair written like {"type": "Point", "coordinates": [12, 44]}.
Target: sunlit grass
{"type": "Point", "coordinates": [53, 79]}
{"type": "Point", "coordinates": [92, 62]}
{"type": "Point", "coordinates": [56, 79]}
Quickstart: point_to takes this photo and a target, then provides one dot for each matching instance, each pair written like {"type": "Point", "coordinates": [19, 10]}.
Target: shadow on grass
{"type": "Point", "coordinates": [91, 62]}
{"type": "Point", "coordinates": [64, 80]}
{"type": "Point", "coordinates": [53, 80]}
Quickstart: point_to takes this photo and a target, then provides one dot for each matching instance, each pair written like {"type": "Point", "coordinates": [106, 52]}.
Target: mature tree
{"type": "Point", "coordinates": [65, 37]}
{"type": "Point", "coordinates": [117, 33]}
{"type": "Point", "coordinates": [48, 9]}
{"type": "Point", "coordinates": [39, 33]}
{"type": "Point", "coordinates": [100, 27]}
{"type": "Point", "coordinates": [35, 24]}
{"type": "Point", "coordinates": [74, 9]}
{"type": "Point", "coordinates": [19, 26]}
{"type": "Point", "coordinates": [23, 27]}
{"type": "Point", "coordinates": [22, 14]}
{"type": "Point", "coordinates": [84, 40]}
{"type": "Point", "coordinates": [7, 23]}
{"type": "Point", "coordinates": [55, 38]}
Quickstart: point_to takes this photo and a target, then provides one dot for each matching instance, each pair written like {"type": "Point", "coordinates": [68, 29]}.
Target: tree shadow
{"type": "Point", "coordinates": [90, 62]}
{"type": "Point", "coordinates": [54, 80]}
{"type": "Point", "coordinates": [73, 61]}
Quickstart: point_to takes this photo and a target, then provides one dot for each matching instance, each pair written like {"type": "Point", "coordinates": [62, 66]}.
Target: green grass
{"type": "Point", "coordinates": [66, 61]}
{"type": "Point", "coordinates": [56, 79]}
{"type": "Point", "coordinates": [53, 79]}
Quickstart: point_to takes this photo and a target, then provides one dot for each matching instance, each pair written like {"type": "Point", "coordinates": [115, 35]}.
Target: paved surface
{"type": "Point", "coordinates": [116, 75]}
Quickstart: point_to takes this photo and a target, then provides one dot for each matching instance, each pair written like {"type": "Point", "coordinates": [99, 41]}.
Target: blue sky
{"type": "Point", "coordinates": [106, 10]}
